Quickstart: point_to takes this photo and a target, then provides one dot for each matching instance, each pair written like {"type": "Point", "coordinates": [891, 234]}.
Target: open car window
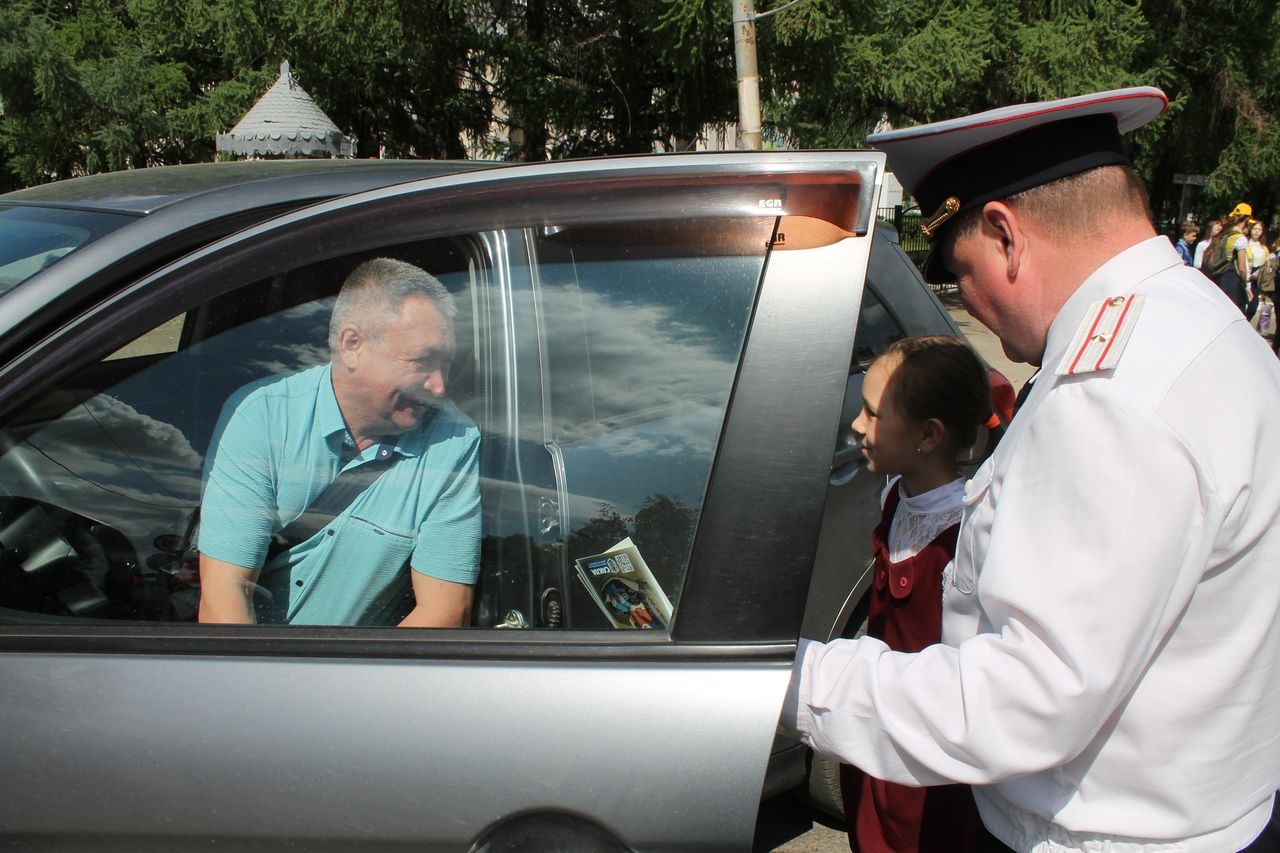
{"type": "Point", "coordinates": [594, 361]}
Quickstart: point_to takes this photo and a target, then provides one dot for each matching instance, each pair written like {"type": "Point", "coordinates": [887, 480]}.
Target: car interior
{"type": "Point", "coordinates": [101, 477]}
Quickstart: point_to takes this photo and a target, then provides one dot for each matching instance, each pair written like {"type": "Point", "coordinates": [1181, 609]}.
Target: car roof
{"type": "Point", "coordinates": [175, 209]}
{"type": "Point", "coordinates": [145, 191]}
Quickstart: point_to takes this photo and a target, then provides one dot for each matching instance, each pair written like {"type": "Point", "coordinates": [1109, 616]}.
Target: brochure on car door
{"type": "Point", "coordinates": [625, 589]}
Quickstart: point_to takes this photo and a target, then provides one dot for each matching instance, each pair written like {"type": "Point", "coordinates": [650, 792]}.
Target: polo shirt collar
{"type": "Point", "coordinates": [1117, 277]}
{"type": "Point", "coordinates": [328, 414]}
{"type": "Point", "coordinates": [334, 427]}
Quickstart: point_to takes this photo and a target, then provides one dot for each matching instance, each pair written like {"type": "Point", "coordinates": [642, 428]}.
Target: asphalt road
{"type": "Point", "coordinates": [787, 824]}
{"type": "Point", "coordinates": [987, 344]}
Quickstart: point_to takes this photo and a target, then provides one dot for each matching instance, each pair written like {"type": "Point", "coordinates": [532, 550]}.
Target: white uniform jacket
{"type": "Point", "coordinates": [1110, 666]}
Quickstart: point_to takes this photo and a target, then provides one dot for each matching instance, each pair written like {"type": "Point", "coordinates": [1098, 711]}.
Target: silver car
{"type": "Point", "coordinates": [662, 354]}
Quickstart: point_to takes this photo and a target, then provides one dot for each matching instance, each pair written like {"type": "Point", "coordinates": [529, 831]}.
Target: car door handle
{"type": "Point", "coordinates": [846, 463]}
{"type": "Point", "coordinates": [846, 455]}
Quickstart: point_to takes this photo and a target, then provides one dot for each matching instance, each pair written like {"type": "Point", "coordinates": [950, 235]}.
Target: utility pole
{"type": "Point", "coordinates": [744, 54]}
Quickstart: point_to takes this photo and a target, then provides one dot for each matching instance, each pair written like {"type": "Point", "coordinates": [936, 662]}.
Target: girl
{"type": "Point", "coordinates": [1215, 228]}
{"type": "Point", "coordinates": [925, 401]}
{"type": "Point", "coordinates": [1231, 248]}
{"type": "Point", "coordinates": [1260, 309]}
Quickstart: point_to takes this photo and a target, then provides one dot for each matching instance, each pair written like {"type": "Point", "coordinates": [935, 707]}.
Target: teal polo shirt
{"type": "Point", "coordinates": [279, 444]}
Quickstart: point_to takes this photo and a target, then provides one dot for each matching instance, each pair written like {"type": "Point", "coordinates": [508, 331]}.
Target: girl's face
{"type": "Point", "coordinates": [889, 438]}
{"type": "Point", "coordinates": [1255, 233]}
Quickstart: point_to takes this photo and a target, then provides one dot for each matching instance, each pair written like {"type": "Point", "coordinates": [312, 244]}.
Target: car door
{"type": "Point", "coordinates": [654, 353]}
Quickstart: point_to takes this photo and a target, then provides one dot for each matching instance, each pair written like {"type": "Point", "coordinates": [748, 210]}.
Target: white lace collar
{"type": "Point", "coordinates": [920, 518]}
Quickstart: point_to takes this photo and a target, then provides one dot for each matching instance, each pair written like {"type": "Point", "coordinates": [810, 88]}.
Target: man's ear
{"type": "Point", "coordinates": [350, 342]}
{"type": "Point", "coordinates": [1005, 227]}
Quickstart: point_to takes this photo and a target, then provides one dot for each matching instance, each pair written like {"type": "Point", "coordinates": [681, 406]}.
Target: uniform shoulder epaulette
{"type": "Point", "coordinates": [1102, 336]}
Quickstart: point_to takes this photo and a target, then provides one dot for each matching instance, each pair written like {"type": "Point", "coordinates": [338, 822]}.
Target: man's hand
{"type": "Point", "coordinates": [226, 592]}
{"type": "Point", "coordinates": [438, 603]}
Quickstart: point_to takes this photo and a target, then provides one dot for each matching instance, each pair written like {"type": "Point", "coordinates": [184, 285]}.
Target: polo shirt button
{"type": "Point", "coordinates": [297, 583]}
{"type": "Point", "coordinates": [331, 531]}
{"type": "Point", "coordinates": [902, 582]}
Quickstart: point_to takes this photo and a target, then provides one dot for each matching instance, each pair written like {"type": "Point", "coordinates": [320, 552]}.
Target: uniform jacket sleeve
{"type": "Point", "coordinates": [1105, 523]}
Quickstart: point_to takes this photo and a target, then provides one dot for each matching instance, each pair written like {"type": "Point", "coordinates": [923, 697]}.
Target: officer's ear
{"type": "Point", "coordinates": [1004, 226]}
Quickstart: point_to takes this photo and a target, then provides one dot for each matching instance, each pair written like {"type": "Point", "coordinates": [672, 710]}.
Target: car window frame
{"type": "Point", "coordinates": [361, 222]}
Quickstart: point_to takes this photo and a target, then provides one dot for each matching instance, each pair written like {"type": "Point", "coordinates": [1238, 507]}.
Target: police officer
{"type": "Point", "coordinates": [1109, 675]}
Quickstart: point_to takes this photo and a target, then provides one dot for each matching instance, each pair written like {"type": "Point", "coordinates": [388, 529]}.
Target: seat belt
{"type": "Point", "coordinates": [350, 484]}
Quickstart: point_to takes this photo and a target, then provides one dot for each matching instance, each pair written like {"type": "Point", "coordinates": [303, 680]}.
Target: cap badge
{"type": "Point", "coordinates": [945, 211]}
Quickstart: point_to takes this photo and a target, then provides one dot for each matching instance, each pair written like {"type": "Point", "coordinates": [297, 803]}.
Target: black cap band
{"type": "Point", "coordinates": [1017, 163]}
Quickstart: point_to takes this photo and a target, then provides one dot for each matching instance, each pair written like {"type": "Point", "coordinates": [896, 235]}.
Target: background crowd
{"type": "Point", "coordinates": [1234, 252]}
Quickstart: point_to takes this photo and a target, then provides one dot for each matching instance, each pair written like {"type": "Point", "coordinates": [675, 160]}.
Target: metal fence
{"type": "Point", "coordinates": [907, 221]}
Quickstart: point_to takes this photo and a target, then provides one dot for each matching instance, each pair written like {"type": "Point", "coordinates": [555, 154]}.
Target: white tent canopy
{"type": "Point", "coordinates": [285, 122]}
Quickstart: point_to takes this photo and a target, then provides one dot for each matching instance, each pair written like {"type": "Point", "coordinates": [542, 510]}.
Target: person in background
{"type": "Point", "coordinates": [1215, 228]}
{"type": "Point", "coordinates": [1186, 242]}
{"type": "Point", "coordinates": [1258, 254]}
{"type": "Point", "coordinates": [925, 402]}
{"type": "Point", "coordinates": [1227, 258]}
{"type": "Point", "coordinates": [1109, 671]}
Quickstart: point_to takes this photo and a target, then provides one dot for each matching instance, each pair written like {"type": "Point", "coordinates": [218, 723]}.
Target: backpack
{"type": "Point", "coordinates": [1219, 262]}
{"type": "Point", "coordinates": [1267, 277]}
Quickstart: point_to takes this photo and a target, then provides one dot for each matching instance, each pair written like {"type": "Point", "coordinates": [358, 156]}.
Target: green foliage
{"type": "Point", "coordinates": [93, 85]}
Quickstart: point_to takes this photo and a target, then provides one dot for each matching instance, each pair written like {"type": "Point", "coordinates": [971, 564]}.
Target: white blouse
{"type": "Point", "coordinates": [920, 518]}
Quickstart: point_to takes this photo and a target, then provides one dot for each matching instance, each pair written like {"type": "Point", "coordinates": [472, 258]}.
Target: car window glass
{"type": "Point", "coordinates": [164, 338]}
{"type": "Point", "coordinates": [877, 328]}
{"type": "Point", "coordinates": [644, 325]}
{"type": "Point", "coordinates": [34, 238]}
{"type": "Point", "coordinates": [594, 362]}
{"type": "Point", "coordinates": [101, 478]}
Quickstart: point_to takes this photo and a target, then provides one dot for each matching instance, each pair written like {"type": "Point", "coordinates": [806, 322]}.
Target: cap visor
{"type": "Point", "coordinates": [934, 269]}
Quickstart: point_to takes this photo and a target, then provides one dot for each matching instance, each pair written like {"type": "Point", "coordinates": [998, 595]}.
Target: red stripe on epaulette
{"type": "Point", "coordinates": [1119, 323]}
{"type": "Point", "coordinates": [1097, 318]}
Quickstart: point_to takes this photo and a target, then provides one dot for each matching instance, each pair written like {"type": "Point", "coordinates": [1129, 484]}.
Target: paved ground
{"type": "Point", "coordinates": [789, 825]}
{"type": "Point", "coordinates": [987, 344]}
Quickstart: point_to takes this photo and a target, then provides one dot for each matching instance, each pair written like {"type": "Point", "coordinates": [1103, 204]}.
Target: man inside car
{"type": "Point", "coordinates": [348, 492]}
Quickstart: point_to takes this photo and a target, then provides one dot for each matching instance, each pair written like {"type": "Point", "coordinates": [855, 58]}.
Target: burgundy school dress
{"type": "Point", "coordinates": [906, 613]}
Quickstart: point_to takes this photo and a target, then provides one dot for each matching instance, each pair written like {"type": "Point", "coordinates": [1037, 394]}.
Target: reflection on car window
{"type": "Point", "coordinates": [33, 238]}
{"type": "Point", "coordinates": [101, 479]}
{"type": "Point", "coordinates": [644, 324]}
{"type": "Point", "coordinates": [591, 373]}
{"type": "Point", "coordinates": [876, 330]}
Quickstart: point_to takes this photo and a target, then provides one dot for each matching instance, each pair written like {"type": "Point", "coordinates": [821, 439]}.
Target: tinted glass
{"type": "Point", "coordinates": [644, 326]}
{"type": "Point", "coordinates": [101, 479]}
{"type": "Point", "coordinates": [34, 238]}
{"type": "Point", "coordinates": [594, 363]}
{"type": "Point", "coordinates": [876, 330]}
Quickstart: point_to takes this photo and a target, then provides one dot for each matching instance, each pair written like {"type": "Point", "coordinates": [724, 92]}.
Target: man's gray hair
{"type": "Point", "coordinates": [373, 294]}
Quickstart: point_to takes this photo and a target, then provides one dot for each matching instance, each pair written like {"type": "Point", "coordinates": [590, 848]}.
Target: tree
{"type": "Point", "coordinates": [588, 77]}
{"type": "Point", "coordinates": [83, 92]}
{"type": "Point", "coordinates": [915, 61]}
{"type": "Point", "coordinates": [1224, 84]}
{"type": "Point", "coordinates": [91, 85]}
{"type": "Point", "coordinates": [110, 84]}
